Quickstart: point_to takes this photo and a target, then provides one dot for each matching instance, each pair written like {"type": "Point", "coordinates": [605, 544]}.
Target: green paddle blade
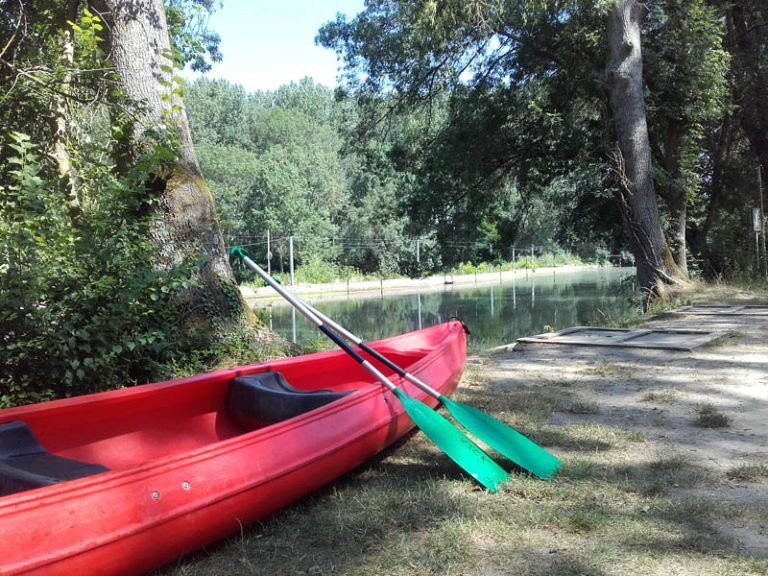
{"type": "Point", "coordinates": [505, 440]}
{"type": "Point", "coordinates": [454, 443]}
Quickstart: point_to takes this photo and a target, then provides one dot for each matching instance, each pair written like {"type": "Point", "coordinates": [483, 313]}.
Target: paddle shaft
{"type": "Point", "coordinates": [498, 435]}
{"type": "Point", "coordinates": [315, 319]}
{"type": "Point", "coordinates": [437, 428]}
{"type": "Point", "coordinates": [374, 353]}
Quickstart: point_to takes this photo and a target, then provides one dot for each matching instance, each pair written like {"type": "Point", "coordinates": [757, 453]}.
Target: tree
{"type": "Point", "coordinates": [633, 158]}
{"type": "Point", "coordinates": [274, 163]}
{"type": "Point", "coordinates": [685, 69]}
{"type": "Point", "coordinates": [531, 68]}
{"type": "Point", "coordinates": [87, 301]}
{"type": "Point", "coordinates": [748, 41]}
{"type": "Point", "coordinates": [186, 229]}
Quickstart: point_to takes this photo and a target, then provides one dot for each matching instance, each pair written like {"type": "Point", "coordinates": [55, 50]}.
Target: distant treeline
{"type": "Point", "coordinates": [297, 162]}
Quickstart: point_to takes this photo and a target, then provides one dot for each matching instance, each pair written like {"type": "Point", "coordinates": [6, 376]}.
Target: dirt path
{"type": "Point", "coordinates": [659, 395]}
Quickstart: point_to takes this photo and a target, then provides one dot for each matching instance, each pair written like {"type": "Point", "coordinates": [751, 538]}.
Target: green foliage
{"type": "Point", "coordinates": [517, 133]}
{"type": "Point", "coordinates": [194, 42]}
{"type": "Point", "coordinates": [273, 162]}
{"type": "Point", "coordinates": [320, 272]}
{"type": "Point", "coordinates": [82, 307]}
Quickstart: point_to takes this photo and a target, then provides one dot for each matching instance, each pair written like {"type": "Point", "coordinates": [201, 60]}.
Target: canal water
{"type": "Point", "coordinates": [496, 314]}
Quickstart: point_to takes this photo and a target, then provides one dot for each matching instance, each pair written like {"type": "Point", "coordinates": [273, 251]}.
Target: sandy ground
{"type": "Point", "coordinates": [657, 393]}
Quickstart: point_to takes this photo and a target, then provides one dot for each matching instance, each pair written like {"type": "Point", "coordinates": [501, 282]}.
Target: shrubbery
{"type": "Point", "coordinates": [83, 308]}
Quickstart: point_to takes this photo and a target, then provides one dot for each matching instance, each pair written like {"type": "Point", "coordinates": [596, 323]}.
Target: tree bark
{"type": "Point", "coordinates": [639, 209]}
{"type": "Point", "coordinates": [187, 228]}
{"type": "Point", "coordinates": [675, 196]}
{"type": "Point", "coordinates": [61, 117]}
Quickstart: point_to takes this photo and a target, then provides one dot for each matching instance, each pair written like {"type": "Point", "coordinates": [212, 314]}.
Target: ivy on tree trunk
{"type": "Point", "coordinates": [186, 230]}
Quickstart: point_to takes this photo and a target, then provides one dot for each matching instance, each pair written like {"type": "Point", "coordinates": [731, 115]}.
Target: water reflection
{"type": "Point", "coordinates": [497, 314]}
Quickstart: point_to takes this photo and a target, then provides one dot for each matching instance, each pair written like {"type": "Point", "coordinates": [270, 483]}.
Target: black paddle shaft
{"type": "Point", "coordinates": [343, 344]}
{"type": "Point", "coordinates": [383, 359]}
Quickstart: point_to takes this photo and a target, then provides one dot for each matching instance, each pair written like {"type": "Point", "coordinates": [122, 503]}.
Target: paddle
{"type": "Point", "coordinates": [502, 438]}
{"type": "Point", "coordinates": [445, 435]}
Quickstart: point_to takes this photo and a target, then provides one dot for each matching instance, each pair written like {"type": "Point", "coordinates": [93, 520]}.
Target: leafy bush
{"type": "Point", "coordinates": [81, 306]}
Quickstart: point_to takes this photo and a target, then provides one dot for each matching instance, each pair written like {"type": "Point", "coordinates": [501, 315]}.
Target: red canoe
{"type": "Point", "coordinates": [124, 481]}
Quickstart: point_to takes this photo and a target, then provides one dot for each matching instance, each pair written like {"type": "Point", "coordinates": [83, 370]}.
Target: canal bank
{"type": "Point", "coordinates": [645, 489]}
{"type": "Point", "coordinates": [262, 294]}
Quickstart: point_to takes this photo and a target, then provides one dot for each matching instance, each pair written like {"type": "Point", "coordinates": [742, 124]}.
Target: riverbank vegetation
{"type": "Point", "coordinates": [320, 272]}
{"type": "Point", "coordinates": [461, 134]}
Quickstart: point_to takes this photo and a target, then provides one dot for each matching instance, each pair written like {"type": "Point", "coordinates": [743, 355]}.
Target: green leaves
{"type": "Point", "coordinates": [81, 305]}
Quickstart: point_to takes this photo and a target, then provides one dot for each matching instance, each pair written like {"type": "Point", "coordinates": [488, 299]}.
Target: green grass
{"type": "Point", "coordinates": [620, 505]}
{"type": "Point", "coordinates": [583, 407]}
{"type": "Point", "coordinates": [412, 513]}
{"type": "Point", "coordinates": [611, 511]}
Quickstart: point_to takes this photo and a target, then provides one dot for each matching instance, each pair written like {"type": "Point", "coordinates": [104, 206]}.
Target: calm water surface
{"type": "Point", "coordinates": [496, 314]}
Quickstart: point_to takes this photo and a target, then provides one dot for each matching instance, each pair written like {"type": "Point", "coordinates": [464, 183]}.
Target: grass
{"type": "Point", "coordinates": [733, 293]}
{"type": "Point", "coordinates": [583, 407]}
{"type": "Point", "coordinates": [749, 472]}
{"type": "Point", "coordinates": [708, 416]}
{"type": "Point", "coordinates": [620, 505]}
{"type": "Point", "coordinates": [411, 513]}
{"type": "Point", "coordinates": [667, 396]}
{"type": "Point", "coordinates": [612, 510]}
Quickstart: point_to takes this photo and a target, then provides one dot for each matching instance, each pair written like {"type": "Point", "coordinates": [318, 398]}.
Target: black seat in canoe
{"type": "Point", "coordinates": [25, 464]}
{"type": "Point", "coordinates": [267, 398]}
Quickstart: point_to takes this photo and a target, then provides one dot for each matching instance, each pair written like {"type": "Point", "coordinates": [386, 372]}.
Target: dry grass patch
{"type": "Point", "coordinates": [583, 407]}
{"type": "Point", "coordinates": [749, 472]}
{"type": "Point", "coordinates": [614, 509]}
{"type": "Point", "coordinates": [666, 396]}
{"type": "Point", "coordinates": [405, 516]}
{"type": "Point", "coordinates": [708, 416]}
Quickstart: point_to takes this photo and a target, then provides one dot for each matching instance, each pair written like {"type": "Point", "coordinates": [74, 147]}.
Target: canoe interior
{"type": "Point", "coordinates": [130, 427]}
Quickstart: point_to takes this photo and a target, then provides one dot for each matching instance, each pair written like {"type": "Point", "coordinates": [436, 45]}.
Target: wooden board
{"type": "Point", "coordinates": [660, 339]}
{"type": "Point", "coordinates": [724, 310]}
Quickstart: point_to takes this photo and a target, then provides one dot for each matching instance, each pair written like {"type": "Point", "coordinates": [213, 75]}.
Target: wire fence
{"type": "Point", "coordinates": [264, 248]}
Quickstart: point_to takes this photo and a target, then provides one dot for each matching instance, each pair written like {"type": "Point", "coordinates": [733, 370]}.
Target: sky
{"type": "Point", "coordinates": [268, 43]}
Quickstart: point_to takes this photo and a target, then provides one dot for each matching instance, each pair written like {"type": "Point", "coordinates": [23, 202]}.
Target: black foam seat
{"type": "Point", "coordinates": [267, 398]}
{"type": "Point", "coordinates": [25, 464]}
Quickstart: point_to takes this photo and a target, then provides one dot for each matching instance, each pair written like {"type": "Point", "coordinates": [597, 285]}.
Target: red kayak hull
{"type": "Point", "coordinates": [182, 474]}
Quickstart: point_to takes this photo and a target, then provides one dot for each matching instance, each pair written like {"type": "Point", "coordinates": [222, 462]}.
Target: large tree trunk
{"type": "Point", "coordinates": [187, 228]}
{"type": "Point", "coordinates": [640, 213]}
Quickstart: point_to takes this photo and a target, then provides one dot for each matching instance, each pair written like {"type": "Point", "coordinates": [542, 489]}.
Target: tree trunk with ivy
{"type": "Point", "coordinates": [186, 230]}
{"type": "Point", "coordinates": [640, 213]}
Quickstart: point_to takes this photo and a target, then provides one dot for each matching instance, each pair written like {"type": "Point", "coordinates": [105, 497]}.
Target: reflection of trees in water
{"type": "Point", "coordinates": [496, 314]}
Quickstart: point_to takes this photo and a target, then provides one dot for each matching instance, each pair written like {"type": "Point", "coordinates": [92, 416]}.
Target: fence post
{"type": "Point", "coordinates": [290, 255]}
